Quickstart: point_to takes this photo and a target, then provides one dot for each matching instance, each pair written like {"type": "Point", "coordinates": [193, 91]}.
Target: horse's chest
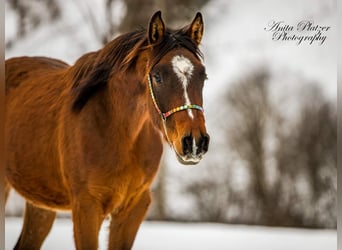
{"type": "Point", "coordinates": [123, 187]}
{"type": "Point", "coordinates": [121, 192]}
{"type": "Point", "coordinates": [128, 172]}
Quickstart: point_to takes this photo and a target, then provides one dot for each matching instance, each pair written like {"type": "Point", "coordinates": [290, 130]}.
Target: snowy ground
{"type": "Point", "coordinates": [178, 236]}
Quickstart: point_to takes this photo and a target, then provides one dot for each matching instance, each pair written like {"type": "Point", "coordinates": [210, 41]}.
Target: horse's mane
{"type": "Point", "coordinates": [92, 71]}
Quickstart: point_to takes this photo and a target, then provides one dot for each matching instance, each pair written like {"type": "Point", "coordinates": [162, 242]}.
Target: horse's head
{"type": "Point", "coordinates": [176, 76]}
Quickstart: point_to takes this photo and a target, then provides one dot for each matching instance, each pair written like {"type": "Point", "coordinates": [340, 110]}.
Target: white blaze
{"type": "Point", "coordinates": [183, 68]}
{"type": "Point", "coordinates": [194, 147]}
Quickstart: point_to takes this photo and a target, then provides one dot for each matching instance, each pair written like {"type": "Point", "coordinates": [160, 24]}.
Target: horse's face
{"type": "Point", "coordinates": [177, 82]}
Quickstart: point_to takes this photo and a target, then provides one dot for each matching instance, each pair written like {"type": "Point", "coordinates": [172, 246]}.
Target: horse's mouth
{"type": "Point", "coordinates": [188, 159]}
{"type": "Point", "coordinates": [190, 150]}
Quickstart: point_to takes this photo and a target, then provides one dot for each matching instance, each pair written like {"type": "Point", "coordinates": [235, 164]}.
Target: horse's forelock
{"type": "Point", "coordinates": [173, 40]}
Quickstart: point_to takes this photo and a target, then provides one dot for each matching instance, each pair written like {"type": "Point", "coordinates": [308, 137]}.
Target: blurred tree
{"type": "Point", "coordinates": [103, 27]}
{"type": "Point", "coordinates": [309, 160]}
{"type": "Point", "coordinates": [31, 14]}
{"type": "Point", "coordinates": [135, 13]}
{"type": "Point", "coordinates": [303, 189]}
{"type": "Point", "coordinates": [176, 12]}
{"type": "Point", "coordinates": [251, 108]}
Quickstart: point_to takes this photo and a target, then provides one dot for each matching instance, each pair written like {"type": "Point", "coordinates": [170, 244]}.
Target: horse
{"type": "Point", "coordinates": [89, 137]}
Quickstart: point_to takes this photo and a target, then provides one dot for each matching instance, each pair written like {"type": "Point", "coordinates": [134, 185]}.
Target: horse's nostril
{"type": "Point", "coordinates": [191, 147]}
{"type": "Point", "coordinates": [187, 144]}
{"type": "Point", "coordinates": [204, 143]}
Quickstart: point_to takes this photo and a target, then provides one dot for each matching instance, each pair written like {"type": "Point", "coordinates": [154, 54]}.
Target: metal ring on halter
{"type": "Point", "coordinates": [170, 112]}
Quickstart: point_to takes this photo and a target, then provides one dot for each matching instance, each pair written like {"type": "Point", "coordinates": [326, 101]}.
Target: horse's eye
{"type": "Point", "coordinates": [157, 78]}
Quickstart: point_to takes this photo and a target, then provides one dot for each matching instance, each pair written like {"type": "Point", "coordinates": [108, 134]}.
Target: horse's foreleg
{"type": "Point", "coordinates": [7, 190]}
{"type": "Point", "coordinates": [124, 228]}
{"type": "Point", "coordinates": [37, 225]}
{"type": "Point", "coordinates": [87, 215]}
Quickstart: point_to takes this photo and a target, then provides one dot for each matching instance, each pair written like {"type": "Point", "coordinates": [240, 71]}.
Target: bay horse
{"type": "Point", "coordinates": [89, 137]}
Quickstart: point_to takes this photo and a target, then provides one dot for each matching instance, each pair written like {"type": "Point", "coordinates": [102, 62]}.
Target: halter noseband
{"type": "Point", "coordinates": [170, 112]}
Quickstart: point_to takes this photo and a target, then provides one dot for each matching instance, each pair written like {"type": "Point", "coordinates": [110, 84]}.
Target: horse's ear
{"type": "Point", "coordinates": [195, 30]}
{"type": "Point", "coordinates": [156, 28]}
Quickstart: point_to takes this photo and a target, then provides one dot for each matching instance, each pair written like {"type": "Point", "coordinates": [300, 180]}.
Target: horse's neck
{"type": "Point", "coordinates": [124, 108]}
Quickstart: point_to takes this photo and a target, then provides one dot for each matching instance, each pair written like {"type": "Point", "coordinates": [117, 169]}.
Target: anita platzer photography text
{"type": "Point", "coordinates": [305, 31]}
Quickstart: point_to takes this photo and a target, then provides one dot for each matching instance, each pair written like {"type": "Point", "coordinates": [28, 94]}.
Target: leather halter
{"type": "Point", "coordinates": [165, 115]}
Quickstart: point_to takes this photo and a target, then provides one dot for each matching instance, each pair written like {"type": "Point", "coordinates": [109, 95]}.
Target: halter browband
{"type": "Point", "coordinates": [172, 111]}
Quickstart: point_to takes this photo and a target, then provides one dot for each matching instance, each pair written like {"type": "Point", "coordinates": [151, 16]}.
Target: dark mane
{"type": "Point", "coordinates": [92, 71]}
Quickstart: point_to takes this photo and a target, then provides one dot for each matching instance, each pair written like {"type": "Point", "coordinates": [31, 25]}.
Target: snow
{"type": "Point", "coordinates": [191, 236]}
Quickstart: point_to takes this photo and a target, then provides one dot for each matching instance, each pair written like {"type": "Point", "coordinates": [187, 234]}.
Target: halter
{"type": "Point", "coordinates": [170, 112]}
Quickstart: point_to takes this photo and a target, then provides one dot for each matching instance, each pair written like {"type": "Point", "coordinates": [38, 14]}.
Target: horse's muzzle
{"type": "Point", "coordinates": [193, 149]}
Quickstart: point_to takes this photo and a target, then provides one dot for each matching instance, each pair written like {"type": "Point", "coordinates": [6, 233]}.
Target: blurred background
{"type": "Point", "coordinates": [270, 105]}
